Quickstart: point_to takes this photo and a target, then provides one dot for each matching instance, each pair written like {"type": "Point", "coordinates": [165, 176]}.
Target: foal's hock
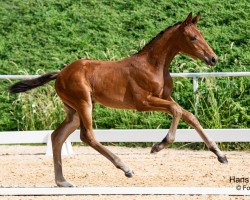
{"type": "Point", "coordinates": [141, 82]}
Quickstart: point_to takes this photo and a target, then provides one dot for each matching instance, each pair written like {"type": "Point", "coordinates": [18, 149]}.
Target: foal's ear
{"type": "Point", "coordinates": [196, 19]}
{"type": "Point", "coordinates": [189, 19]}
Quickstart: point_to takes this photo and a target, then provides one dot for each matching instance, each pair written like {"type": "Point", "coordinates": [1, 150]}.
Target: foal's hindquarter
{"type": "Point", "coordinates": [141, 82]}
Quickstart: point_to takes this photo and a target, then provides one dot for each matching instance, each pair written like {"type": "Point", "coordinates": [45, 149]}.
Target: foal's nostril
{"type": "Point", "coordinates": [213, 60]}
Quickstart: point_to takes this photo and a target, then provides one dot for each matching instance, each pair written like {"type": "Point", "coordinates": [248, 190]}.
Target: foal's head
{"type": "Point", "coordinates": [192, 41]}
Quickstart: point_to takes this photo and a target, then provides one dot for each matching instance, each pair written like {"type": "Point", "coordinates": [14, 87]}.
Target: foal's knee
{"type": "Point", "coordinates": [176, 111]}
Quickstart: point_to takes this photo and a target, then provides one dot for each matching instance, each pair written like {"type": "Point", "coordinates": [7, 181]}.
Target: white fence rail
{"type": "Point", "coordinates": [121, 135]}
{"type": "Point", "coordinates": [129, 135]}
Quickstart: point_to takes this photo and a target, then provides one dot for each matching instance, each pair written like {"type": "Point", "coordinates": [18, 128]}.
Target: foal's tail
{"type": "Point", "coordinates": [25, 85]}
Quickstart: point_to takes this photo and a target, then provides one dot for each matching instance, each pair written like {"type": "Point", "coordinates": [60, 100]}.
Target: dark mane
{"type": "Point", "coordinates": [159, 34]}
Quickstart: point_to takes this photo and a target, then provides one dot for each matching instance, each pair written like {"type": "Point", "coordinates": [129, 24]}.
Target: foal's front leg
{"type": "Point", "coordinates": [192, 121]}
{"type": "Point", "coordinates": [157, 104]}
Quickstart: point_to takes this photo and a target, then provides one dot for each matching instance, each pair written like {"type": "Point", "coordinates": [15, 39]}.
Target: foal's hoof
{"type": "Point", "coordinates": [155, 148]}
{"type": "Point", "coordinates": [129, 174]}
{"type": "Point", "coordinates": [223, 159]}
{"type": "Point", "coordinates": [64, 184]}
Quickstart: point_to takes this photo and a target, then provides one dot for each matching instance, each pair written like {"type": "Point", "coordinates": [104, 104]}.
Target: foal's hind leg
{"type": "Point", "coordinates": [87, 136]}
{"type": "Point", "coordinates": [58, 138]}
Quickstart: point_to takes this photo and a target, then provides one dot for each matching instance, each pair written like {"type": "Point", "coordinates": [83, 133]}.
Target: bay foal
{"type": "Point", "coordinates": [141, 82]}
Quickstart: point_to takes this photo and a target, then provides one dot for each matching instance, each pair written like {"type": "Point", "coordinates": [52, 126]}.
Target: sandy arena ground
{"type": "Point", "coordinates": [27, 166]}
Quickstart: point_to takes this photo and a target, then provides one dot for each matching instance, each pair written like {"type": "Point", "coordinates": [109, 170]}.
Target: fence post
{"type": "Point", "coordinates": [195, 88]}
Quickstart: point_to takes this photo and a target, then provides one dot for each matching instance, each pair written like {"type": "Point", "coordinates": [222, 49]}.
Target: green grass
{"type": "Point", "coordinates": [44, 35]}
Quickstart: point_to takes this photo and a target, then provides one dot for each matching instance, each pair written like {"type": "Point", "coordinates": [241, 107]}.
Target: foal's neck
{"type": "Point", "coordinates": [162, 49]}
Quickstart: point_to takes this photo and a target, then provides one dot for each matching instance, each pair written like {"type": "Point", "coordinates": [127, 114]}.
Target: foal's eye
{"type": "Point", "coordinates": [192, 38]}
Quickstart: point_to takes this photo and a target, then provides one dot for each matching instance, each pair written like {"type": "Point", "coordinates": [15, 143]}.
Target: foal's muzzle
{"type": "Point", "coordinates": [211, 60]}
